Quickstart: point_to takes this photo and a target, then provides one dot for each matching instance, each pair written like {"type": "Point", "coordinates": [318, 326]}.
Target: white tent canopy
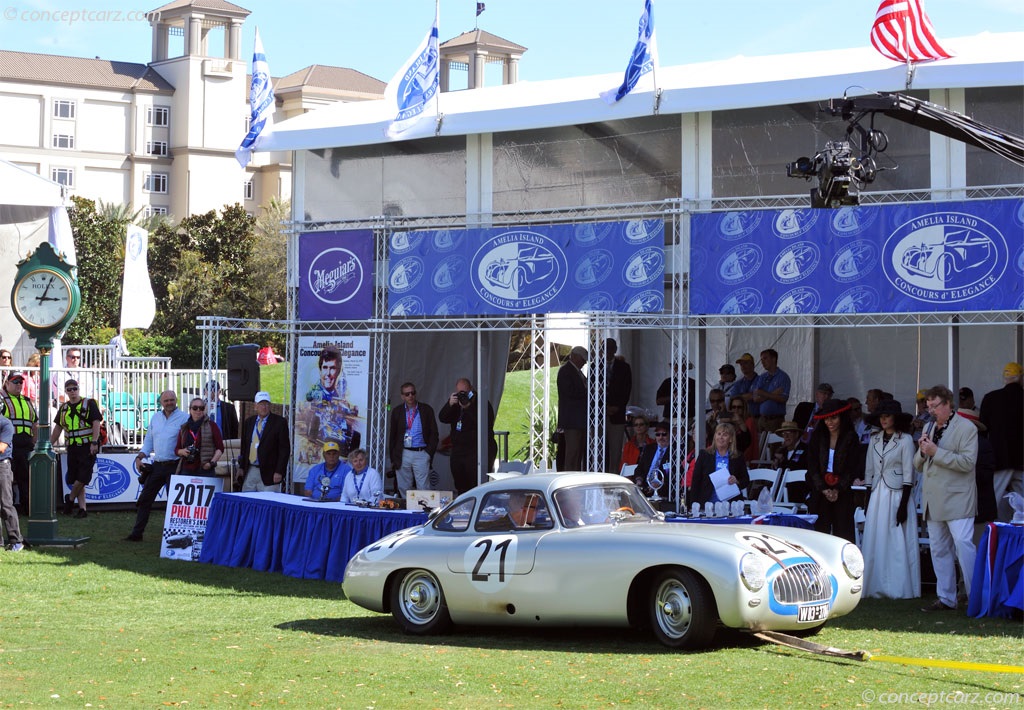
{"type": "Point", "coordinates": [32, 211]}
{"type": "Point", "coordinates": [741, 82]}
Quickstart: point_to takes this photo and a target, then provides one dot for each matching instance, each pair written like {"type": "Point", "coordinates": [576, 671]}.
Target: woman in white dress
{"type": "Point", "coordinates": [892, 562]}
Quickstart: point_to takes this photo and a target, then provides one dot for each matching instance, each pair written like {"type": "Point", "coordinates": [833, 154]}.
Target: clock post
{"type": "Point", "coordinates": [45, 299]}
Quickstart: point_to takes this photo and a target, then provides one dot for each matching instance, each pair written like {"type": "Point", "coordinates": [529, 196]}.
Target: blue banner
{"type": "Point", "coordinates": [561, 268]}
{"type": "Point", "coordinates": [922, 257]}
{"type": "Point", "coordinates": [336, 275]}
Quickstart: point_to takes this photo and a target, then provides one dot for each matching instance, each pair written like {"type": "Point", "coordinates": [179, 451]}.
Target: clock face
{"type": "Point", "coordinates": [42, 298]}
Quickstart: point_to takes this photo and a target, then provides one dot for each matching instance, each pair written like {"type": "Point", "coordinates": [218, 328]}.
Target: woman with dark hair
{"type": "Point", "coordinates": [722, 454]}
{"type": "Point", "coordinates": [892, 562]}
{"type": "Point", "coordinates": [834, 460]}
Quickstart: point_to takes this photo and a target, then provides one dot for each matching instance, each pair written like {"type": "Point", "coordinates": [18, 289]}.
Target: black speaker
{"type": "Point", "coordinates": [243, 372]}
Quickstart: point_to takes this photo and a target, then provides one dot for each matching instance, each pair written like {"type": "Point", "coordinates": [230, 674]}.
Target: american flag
{"type": "Point", "coordinates": [902, 32]}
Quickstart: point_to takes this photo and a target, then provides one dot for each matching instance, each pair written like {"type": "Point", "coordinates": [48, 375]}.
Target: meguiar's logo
{"type": "Point", "coordinates": [335, 275]}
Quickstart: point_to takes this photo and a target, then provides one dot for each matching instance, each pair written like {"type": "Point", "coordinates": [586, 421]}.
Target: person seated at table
{"type": "Point", "coordinates": [721, 455]}
{"type": "Point", "coordinates": [362, 483]}
{"type": "Point", "coordinates": [792, 456]}
{"type": "Point", "coordinates": [333, 469]}
{"type": "Point", "coordinates": [200, 444]}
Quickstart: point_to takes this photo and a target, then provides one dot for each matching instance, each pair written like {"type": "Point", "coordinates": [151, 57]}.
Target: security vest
{"type": "Point", "coordinates": [72, 418]}
{"type": "Point", "coordinates": [20, 410]}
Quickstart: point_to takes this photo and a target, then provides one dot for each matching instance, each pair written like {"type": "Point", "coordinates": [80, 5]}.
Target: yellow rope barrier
{"type": "Point", "coordinates": [937, 663]}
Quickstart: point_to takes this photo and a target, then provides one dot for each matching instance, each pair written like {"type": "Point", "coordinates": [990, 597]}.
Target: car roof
{"type": "Point", "coordinates": [549, 482]}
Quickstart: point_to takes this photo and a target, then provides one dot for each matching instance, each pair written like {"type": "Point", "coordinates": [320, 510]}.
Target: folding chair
{"type": "Point", "coordinates": [782, 502]}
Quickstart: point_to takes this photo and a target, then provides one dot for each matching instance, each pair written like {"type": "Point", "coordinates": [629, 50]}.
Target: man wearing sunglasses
{"type": "Point", "coordinates": [79, 420]}
{"type": "Point", "coordinates": [412, 441]}
{"type": "Point", "coordinates": [161, 439]}
{"type": "Point", "coordinates": [19, 409]}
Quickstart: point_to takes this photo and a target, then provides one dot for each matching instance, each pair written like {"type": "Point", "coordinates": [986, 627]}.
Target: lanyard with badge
{"type": "Point", "coordinates": [410, 419]}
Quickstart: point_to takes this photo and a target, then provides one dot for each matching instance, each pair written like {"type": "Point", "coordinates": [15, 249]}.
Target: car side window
{"type": "Point", "coordinates": [514, 510]}
{"type": "Point", "coordinates": [456, 518]}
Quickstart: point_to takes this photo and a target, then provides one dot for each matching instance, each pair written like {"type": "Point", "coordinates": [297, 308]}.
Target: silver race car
{"type": "Point", "coordinates": [587, 549]}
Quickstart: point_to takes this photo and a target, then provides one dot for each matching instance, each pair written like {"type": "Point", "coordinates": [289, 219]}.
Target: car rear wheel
{"type": "Point", "coordinates": [682, 610]}
{"type": "Point", "coordinates": [418, 604]}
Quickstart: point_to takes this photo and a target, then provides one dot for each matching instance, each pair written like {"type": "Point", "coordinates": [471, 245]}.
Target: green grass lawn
{"type": "Point", "coordinates": [111, 625]}
{"type": "Point", "coordinates": [513, 413]}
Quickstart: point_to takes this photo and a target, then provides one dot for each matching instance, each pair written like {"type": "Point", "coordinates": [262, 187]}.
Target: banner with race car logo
{"type": "Point", "coordinates": [336, 275]}
{"type": "Point", "coordinates": [560, 268]}
{"type": "Point", "coordinates": [933, 257]}
{"type": "Point", "coordinates": [188, 508]}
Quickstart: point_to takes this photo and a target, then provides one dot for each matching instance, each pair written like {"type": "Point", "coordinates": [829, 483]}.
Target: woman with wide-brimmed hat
{"type": "Point", "coordinates": [834, 460]}
{"type": "Point", "coordinates": [892, 562]}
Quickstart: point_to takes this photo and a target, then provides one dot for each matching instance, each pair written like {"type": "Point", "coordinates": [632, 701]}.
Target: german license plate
{"type": "Point", "coordinates": [812, 612]}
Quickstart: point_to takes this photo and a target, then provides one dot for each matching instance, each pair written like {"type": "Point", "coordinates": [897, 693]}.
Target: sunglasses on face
{"type": "Point", "coordinates": [74, 357]}
{"type": "Point", "coordinates": [197, 409]}
{"type": "Point", "coordinates": [70, 389]}
{"type": "Point", "coordinates": [409, 394]}
{"type": "Point", "coordinates": [661, 433]}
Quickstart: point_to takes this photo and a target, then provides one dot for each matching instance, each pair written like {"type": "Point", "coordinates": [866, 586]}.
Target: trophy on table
{"type": "Point", "coordinates": [655, 480]}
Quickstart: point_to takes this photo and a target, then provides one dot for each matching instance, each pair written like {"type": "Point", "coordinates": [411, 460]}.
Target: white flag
{"type": "Point", "coordinates": [414, 88]}
{"type": "Point", "coordinates": [261, 103]}
{"type": "Point", "coordinates": [643, 61]}
{"type": "Point", "coordinates": [138, 305]}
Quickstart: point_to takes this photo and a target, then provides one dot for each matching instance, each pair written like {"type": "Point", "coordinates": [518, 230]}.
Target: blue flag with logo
{"type": "Point", "coordinates": [921, 257]}
{"type": "Point", "coordinates": [414, 88]}
{"type": "Point", "coordinates": [642, 62]}
{"type": "Point", "coordinates": [261, 102]}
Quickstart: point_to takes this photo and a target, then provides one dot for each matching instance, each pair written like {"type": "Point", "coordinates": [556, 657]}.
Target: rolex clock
{"type": "Point", "coordinates": [45, 298]}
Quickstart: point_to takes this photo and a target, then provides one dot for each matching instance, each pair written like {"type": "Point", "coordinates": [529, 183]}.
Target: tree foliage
{"type": "Point", "coordinates": [228, 264]}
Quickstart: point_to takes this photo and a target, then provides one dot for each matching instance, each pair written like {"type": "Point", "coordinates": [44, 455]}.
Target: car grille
{"type": "Point", "coordinates": [805, 582]}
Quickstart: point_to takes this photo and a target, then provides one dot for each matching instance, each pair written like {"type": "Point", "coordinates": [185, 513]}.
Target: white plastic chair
{"type": "Point", "coordinates": [769, 475]}
{"type": "Point", "coordinates": [782, 502]}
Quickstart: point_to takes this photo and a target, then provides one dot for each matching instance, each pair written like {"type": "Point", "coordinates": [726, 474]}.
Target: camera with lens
{"type": "Point", "coordinates": [464, 398]}
{"type": "Point", "coordinates": [191, 454]}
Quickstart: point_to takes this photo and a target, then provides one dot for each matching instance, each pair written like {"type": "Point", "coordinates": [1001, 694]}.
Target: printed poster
{"type": "Point", "coordinates": [333, 386]}
{"type": "Point", "coordinates": [188, 508]}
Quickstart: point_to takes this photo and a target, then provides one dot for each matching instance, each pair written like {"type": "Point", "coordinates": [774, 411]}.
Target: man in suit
{"type": "Point", "coordinates": [947, 456]}
{"type": "Point", "coordinates": [619, 385]}
{"type": "Point", "coordinates": [412, 441]}
{"type": "Point", "coordinates": [265, 449]}
{"type": "Point", "coordinates": [572, 407]}
{"type": "Point", "coordinates": [222, 413]}
{"type": "Point", "coordinates": [1002, 412]}
{"type": "Point", "coordinates": [654, 457]}
{"type": "Point", "coordinates": [804, 413]}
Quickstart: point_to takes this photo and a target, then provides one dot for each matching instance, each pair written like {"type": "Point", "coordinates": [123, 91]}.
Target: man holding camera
{"type": "Point", "coordinates": [460, 411]}
{"type": "Point", "coordinates": [161, 437]}
{"type": "Point", "coordinates": [200, 444]}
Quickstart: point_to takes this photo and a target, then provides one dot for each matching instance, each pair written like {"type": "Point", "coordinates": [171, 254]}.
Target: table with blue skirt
{"type": "Point", "coordinates": [785, 520]}
{"type": "Point", "coordinates": [277, 532]}
{"type": "Point", "coordinates": [997, 587]}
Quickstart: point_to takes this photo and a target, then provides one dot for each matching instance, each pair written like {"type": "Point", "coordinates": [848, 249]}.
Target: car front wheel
{"type": "Point", "coordinates": [418, 605]}
{"type": "Point", "coordinates": [682, 610]}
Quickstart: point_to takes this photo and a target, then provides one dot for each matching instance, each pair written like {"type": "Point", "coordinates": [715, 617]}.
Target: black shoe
{"type": "Point", "coordinates": [937, 605]}
{"type": "Point", "coordinates": [69, 505]}
{"type": "Point", "coordinates": [81, 513]}
{"type": "Point", "coordinates": [133, 538]}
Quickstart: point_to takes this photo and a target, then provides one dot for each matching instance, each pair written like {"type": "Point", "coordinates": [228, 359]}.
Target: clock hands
{"type": "Point", "coordinates": [46, 291]}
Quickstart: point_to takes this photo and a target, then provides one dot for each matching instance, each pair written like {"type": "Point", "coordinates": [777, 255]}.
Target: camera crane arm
{"type": "Point", "coordinates": [930, 117]}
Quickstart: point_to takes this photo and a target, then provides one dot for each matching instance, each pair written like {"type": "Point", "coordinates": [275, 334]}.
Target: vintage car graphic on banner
{"type": "Point", "coordinates": [935, 256]}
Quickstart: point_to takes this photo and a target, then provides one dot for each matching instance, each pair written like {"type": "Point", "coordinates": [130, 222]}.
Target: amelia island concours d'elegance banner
{"type": "Point", "coordinates": [598, 266]}
{"type": "Point", "coordinates": [923, 257]}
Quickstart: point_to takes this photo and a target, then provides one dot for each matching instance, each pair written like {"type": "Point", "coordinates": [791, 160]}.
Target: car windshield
{"type": "Point", "coordinates": [602, 503]}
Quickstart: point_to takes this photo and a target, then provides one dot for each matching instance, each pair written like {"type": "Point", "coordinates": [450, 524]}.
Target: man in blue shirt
{"type": "Point", "coordinates": [412, 441]}
{"type": "Point", "coordinates": [333, 469]}
{"type": "Point", "coordinates": [771, 392]}
{"type": "Point", "coordinates": [8, 513]}
{"type": "Point", "coordinates": [744, 386]}
{"type": "Point", "coordinates": [160, 441]}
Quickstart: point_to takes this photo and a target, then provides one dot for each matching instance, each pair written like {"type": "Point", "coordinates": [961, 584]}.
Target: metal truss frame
{"type": "Point", "coordinates": [684, 329]}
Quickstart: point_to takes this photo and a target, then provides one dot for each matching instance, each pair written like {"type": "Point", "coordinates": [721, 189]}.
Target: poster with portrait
{"type": "Point", "coordinates": [333, 389]}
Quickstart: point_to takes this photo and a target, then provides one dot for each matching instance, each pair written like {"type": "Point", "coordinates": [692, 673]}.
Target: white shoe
{"type": "Point", "coordinates": [17, 547]}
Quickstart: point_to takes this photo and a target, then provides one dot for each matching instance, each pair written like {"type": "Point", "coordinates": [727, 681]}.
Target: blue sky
{"type": "Point", "coordinates": [564, 38]}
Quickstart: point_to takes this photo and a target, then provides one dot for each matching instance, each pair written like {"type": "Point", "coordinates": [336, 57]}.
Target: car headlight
{"type": "Point", "coordinates": [752, 571]}
{"type": "Point", "coordinates": [853, 561]}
